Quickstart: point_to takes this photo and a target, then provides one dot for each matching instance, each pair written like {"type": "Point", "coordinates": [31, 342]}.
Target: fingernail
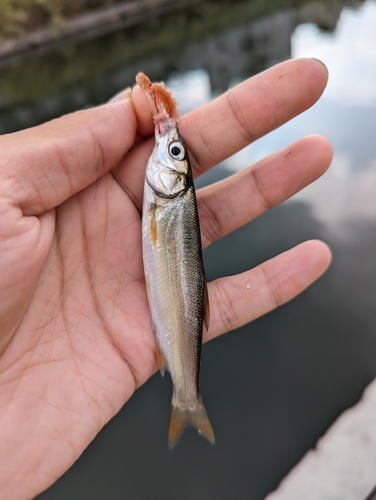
{"type": "Point", "coordinates": [322, 64]}
{"type": "Point", "coordinates": [124, 94]}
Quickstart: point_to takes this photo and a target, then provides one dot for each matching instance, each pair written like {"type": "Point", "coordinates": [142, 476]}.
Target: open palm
{"type": "Point", "coordinates": [75, 327]}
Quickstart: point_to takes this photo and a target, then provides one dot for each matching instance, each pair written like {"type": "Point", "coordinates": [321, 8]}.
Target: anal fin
{"type": "Point", "coordinates": [161, 360]}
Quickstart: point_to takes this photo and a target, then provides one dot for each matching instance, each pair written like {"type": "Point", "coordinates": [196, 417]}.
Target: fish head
{"type": "Point", "coordinates": [168, 165]}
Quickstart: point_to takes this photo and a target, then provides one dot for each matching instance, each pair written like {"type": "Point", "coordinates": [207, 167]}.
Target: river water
{"type": "Point", "coordinates": [272, 388]}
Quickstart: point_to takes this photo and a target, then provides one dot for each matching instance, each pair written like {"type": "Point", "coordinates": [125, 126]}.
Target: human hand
{"type": "Point", "coordinates": [75, 328]}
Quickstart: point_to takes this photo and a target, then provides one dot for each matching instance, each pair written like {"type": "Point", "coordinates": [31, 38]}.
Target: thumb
{"type": "Point", "coordinates": [43, 166]}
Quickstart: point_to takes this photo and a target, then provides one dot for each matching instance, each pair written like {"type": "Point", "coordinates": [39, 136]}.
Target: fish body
{"type": "Point", "coordinates": [175, 275]}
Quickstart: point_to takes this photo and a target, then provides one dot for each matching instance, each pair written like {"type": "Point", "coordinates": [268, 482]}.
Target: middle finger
{"type": "Point", "coordinates": [232, 202]}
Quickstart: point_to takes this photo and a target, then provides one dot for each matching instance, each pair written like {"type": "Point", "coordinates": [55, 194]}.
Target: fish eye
{"type": "Point", "coordinates": [176, 150]}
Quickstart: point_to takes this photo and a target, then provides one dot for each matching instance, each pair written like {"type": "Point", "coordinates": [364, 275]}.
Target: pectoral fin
{"type": "Point", "coordinates": [153, 225]}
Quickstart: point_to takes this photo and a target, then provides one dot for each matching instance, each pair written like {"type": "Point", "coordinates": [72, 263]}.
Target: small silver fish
{"type": "Point", "coordinates": [175, 276]}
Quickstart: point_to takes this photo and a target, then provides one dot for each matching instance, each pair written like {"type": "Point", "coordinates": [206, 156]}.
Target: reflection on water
{"type": "Point", "coordinates": [345, 115]}
{"type": "Point", "coordinates": [351, 59]}
{"type": "Point", "coordinates": [272, 387]}
{"type": "Point", "coordinates": [191, 89]}
{"type": "Point", "coordinates": [347, 193]}
{"type": "Point", "coordinates": [91, 72]}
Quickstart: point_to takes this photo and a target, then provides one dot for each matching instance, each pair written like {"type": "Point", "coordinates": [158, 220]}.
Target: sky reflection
{"type": "Point", "coordinates": [349, 52]}
{"type": "Point", "coordinates": [345, 115]}
{"type": "Point", "coordinates": [347, 191]}
{"type": "Point", "coordinates": [191, 89]}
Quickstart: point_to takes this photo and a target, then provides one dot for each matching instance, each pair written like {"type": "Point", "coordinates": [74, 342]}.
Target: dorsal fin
{"type": "Point", "coordinates": [206, 312]}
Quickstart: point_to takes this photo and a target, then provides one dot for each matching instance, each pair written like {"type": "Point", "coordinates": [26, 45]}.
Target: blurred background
{"type": "Point", "coordinates": [273, 387]}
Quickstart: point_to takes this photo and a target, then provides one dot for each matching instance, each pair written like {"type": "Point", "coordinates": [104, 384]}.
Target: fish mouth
{"type": "Point", "coordinates": [163, 127]}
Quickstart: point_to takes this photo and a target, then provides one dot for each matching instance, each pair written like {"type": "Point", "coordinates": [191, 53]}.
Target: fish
{"type": "Point", "coordinates": [173, 265]}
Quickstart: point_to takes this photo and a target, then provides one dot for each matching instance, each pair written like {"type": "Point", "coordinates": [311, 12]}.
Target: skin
{"type": "Point", "coordinates": [75, 327]}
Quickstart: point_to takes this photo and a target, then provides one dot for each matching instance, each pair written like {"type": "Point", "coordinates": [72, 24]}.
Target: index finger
{"type": "Point", "coordinates": [252, 109]}
{"type": "Point", "coordinates": [243, 114]}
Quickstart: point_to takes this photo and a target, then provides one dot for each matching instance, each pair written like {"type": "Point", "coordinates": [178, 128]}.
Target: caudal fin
{"type": "Point", "coordinates": [182, 416]}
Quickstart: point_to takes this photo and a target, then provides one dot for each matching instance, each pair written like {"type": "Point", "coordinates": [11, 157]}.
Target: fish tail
{"type": "Point", "coordinates": [182, 416]}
